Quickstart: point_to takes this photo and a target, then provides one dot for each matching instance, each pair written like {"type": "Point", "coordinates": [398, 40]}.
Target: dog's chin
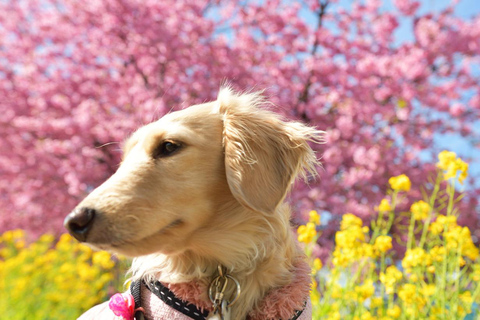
{"type": "Point", "coordinates": [162, 241]}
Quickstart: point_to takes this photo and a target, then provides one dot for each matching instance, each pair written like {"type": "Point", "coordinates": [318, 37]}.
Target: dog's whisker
{"type": "Point", "coordinates": [107, 144]}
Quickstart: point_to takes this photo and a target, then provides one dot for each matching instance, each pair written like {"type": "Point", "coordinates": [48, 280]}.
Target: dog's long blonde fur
{"type": "Point", "coordinates": [219, 200]}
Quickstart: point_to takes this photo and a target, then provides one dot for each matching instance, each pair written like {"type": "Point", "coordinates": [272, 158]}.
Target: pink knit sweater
{"type": "Point", "coordinates": [278, 304]}
{"type": "Point", "coordinates": [156, 309]}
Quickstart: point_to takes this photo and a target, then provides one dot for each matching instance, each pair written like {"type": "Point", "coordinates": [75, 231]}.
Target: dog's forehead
{"type": "Point", "coordinates": [194, 113]}
{"type": "Point", "coordinates": [194, 117]}
{"type": "Point", "coordinates": [197, 118]}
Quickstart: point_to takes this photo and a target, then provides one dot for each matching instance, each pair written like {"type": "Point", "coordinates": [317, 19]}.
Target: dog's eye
{"type": "Point", "coordinates": [165, 149]}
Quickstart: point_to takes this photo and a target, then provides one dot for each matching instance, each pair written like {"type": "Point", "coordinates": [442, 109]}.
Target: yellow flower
{"type": "Point", "coordinates": [407, 293]}
{"type": "Point", "coordinates": [349, 220]}
{"type": "Point", "coordinates": [367, 316]}
{"type": "Point", "coordinates": [400, 183]}
{"type": "Point", "coordinates": [314, 217]}
{"type": "Point", "coordinates": [376, 302]}
{"type": "Point", "coordinates": [466, 297]}
{"type": "Point", "coordinates": [366, 250]}
{"type": "Point", "coordinates": [383, 243]}
{"type": "Point", "coordinates": [384, 206]}
{"type": "Point", "coordinates": [470, 251]}
{"type": "Point", "coordinates": [317, 264]}
{"type": "Point", "coordinates": [420, 210]}
{"type": "Point", "coordinates": [103, 259]}
{"type": "Point", "coordinates": [438, 253]}
{"type": "Point", "coordinates": [349, 239]}
{"type": "Point", "coordinates": [442, 221]}
{"type": "Point", "coordinates": [476, 272]}
{"type": "Point", "coordinates": [335, 315]}
{"type": "Point", "coordinates": [415, 257]}
{"type": "Point", "coordinates": [315, 297]}
{"type": "Point", "coordinates": [429, 290]}
{"type": "Point", "coordinates": [307, 232]}
{"type": "Point", "coordinates": [394, 312]}
{"type": "Point", "coordinates": [365, 291]}
{"type": "Point", "coordinates": [445, 158]}
{"type": "Point", "coordinates": [436, 228]}
{"type": "Point", "coordinates": [391, 276]}
{"type": "Point", "coordinates": [46, 238]}
{"type": "Point", "coordinates": [449, 162]}
{"type": "Point", "coordinates": [402, 103]}
{"type": "Point", "coordinates": [463, 167]}
{"type": "Point", "coordinates": [20, 244]}
{"type": "Point", "coordinates": [337, 291]}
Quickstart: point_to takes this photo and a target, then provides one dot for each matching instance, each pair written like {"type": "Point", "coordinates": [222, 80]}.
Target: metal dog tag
{"type": "Point", "coordinates": [223, 313]}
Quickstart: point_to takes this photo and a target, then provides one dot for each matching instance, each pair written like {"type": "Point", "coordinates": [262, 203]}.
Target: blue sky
{"type": "Point", "coordinates": [465, 9]}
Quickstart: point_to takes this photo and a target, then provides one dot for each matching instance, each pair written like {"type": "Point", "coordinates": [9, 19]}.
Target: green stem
{"type": "Point", "coordinates": [443, 283]}
{"type": "Point", "coordinates": [451, 194]}
{"type": "Point", "coordinates": [457, 274]}
{"type": "Point", "coordinates": [432, 200]}
{"type": "Point", "coordinates": [411, 238]}
{"type": "Point", "coordinates": [391, 214]}
{"type": "Point", "coordinates": [382, 289]}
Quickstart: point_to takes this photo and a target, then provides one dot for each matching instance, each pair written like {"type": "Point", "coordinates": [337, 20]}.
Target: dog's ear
{"type": "Point", "coordinates": [263, 154]}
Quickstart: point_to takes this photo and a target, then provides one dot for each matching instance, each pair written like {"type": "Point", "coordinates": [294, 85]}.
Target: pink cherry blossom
{"type": "Point", "coordinates": [407, 7]}
{"type": "Point", "coordinates": [78, 77]}
{"type": "Point", "coordinates": [457, 109]}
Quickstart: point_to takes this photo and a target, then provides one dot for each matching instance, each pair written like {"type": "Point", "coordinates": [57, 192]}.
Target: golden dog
{"type": "Point", "coordinates": [203, 187]}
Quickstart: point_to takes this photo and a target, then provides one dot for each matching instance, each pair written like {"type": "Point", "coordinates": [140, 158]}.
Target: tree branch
{"type": "Point", "coordinates": [304, 96]}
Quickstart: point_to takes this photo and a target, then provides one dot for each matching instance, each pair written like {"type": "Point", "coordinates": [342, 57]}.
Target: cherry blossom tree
{"type": "Point", "coordinates": [77, 77]}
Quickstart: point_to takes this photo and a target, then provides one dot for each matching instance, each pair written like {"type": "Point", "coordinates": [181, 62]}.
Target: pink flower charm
{"type": "Point", "coordinates": [122, 305]}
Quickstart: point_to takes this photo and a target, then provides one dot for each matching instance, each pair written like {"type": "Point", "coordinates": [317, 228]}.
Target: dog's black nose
{"type": "Point", "coordinates": [79, 222]}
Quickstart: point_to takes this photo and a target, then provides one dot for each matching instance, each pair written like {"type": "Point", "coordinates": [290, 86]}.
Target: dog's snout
{"type": "Point", "coordinates": [79, 222]}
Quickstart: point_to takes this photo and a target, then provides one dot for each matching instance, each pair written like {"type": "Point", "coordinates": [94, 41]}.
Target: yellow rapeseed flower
{"type": "Point", "coordinates": [366, 250]}
{"type": "Point", "coordinates": [103, 259]}
{"type": "Point", "coordinates": [449, 162]}
{"type": "Point", "coordinates": [420, 210]}
{"type": "Point", "coordinates": [349, 220]}
{"type": "Point", "coordinates": [445, 158]}
{"type": "Point", "coordinates": [307, 232]}
{"type": "Point", "coordinates": [466, 297]}
{"type": "Point", "coordinates": [314, 217]}
{"type": "Point", "coordinates": [46, 238]}
{"type": "Point", "coordinates": [391, 276]}
{"type": "Point", "coordinates": [435, 228]}
{"type": "Point", "coordinates": [437, 253]}
{"type": "Point", "coordinates": [407, 293]}
{"type": "Point", "coordinates": [376, 302]}
{"type": "Point", "coordinates": [383, 243]}
{"type": "Point", "coordinates": [463, 167]}
{"type": "Point", "coordinates": [335, 315]}
{"type": "Point", "coordinates": [470, 251]}
{"type": "Point", "coordinates": [414, 257]}
{"type": "Point", "coordinates": [394, 312]}
{"type": "Point", "coordinates": [441, 222]}
{"type": "Point", "coordinates": [365, 291]}
{"type": "Point", "coordinates": [367, 316]}
{"type": "Point", "coordinates": [429, 290]}
{"type": "Point", "coordinates": [384, 206]}
{"type": "Point", "coordinates": [400, 183]}
{"type": "Point", "coordinates": [317, 264]}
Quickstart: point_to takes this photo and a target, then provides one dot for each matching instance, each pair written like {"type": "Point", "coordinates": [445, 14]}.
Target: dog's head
{"type": "Point", "coordinates": [181, 171]}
